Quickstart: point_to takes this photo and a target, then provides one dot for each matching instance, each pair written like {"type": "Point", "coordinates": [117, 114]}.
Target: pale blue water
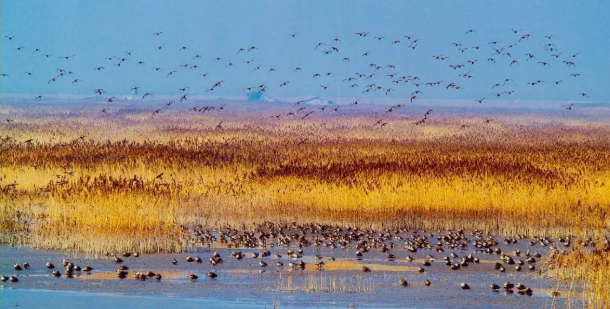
{"type": "Point", "coordinates": [239, 284]}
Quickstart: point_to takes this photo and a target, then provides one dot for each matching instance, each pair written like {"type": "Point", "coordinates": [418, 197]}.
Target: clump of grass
{"type": "Point", "coordinates": [590, 268]}
{"type": "Point", "coordinates": [328, 282]}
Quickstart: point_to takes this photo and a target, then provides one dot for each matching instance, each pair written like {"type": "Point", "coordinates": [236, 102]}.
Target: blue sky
{"type": "Point", "coordinates": [94, 30]}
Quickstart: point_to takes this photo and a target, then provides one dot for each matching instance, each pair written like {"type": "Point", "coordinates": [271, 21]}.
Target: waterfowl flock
{"type": "Point", "coordinates": [290, 248]}
{"type": "Point", "coordinates": [371, 78]}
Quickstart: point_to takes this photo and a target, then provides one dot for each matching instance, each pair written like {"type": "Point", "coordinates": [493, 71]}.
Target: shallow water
{"type": "Point", "coordinates": [240, 284]}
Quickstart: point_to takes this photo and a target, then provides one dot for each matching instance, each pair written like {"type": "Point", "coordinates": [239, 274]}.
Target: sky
{"type": "Point", "coordinates": [95, 30]}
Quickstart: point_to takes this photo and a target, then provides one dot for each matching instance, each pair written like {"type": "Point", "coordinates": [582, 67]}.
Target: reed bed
{"type": "Point", "coordinates": [103, 193]}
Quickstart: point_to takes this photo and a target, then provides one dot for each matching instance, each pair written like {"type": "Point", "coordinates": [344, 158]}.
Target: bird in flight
{"type": "Point", "coordinates": [307, 115]}
{"type": "Point", "coordinates": [569, 63]}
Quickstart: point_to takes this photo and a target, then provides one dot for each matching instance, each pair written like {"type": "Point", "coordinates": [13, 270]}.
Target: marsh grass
{"type": "Point", "coordinates": [592, 269]}
{"type": "Point", "coordinates": [101, 193]}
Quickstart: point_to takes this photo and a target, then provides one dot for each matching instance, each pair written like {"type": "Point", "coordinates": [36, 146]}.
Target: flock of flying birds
{"type": "Point", "coordinates": [376, 79]}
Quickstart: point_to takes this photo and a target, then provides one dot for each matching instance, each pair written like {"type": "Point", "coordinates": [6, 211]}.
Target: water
{"type": "Point", "coordinates": [240, 285]}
